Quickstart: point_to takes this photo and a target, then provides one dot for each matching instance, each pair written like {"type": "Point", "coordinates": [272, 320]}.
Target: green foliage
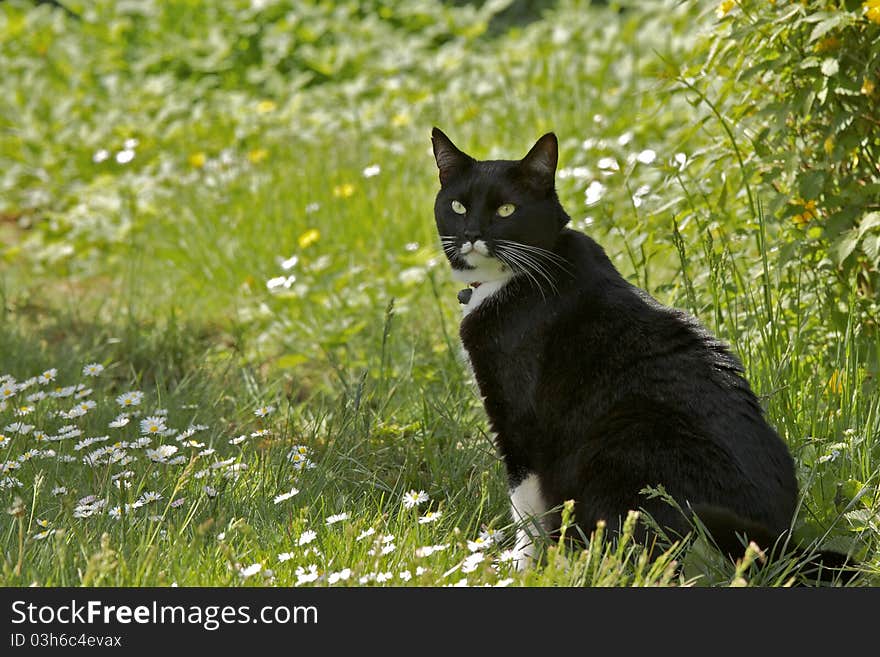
{"type": "Point", "coordinates": [800, 84]}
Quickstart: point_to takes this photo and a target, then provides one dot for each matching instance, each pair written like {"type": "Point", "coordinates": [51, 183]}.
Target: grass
{"type": "Point", "coordinates": [271, 243]}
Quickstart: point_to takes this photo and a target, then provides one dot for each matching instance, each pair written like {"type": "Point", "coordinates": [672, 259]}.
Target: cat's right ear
{"type": "Point", "coordinates": [450, 160]}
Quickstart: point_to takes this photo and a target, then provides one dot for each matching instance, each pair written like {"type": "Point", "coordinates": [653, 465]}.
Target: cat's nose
{"type": "Point", "coordinates": [472, 235]}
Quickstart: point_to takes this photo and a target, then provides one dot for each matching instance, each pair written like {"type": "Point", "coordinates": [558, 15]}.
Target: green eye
{"type": "Point", "coordinates": [458, 208]}
{"type": "Point", "coordinates": [506, 210]}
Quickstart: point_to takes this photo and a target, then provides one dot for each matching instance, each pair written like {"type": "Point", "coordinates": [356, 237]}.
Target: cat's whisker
{"type": "Point", "coordinates": [543, 254]}
{"type": "Point", "coordinates": [522, 269]}
{"type": "Point", "coordinates": [553, 258]}
{"type": "Point", "coordinates": [535, 266]}
{"type": "Point", "coordinates": [546, 252]}
{"type": "Point", "coordinates": [539, 268]}
{"type": "Point", "coordinates": [539, 261]}
{"type": "Point", "coordinates": [517, 263]}
{"type": "Point", "coordinates": [511, 261]}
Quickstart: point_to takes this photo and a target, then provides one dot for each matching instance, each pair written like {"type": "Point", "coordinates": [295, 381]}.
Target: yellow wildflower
{"type": "Point", "coordinates": [872, 10]}
{"type": "Point", "coordinates": [197, 160]}
{"type": "Point", "coordinates": [809, 212]}
{"type": "Point", "coordinates": [309, 237]}
{"type": "Point", "coordinates": [835, 382]}
{"type": "Point", "coordinates": [400, 120]}
{"type": "Point", "coordinates": [258, 155]}
{"type": "Point", "coordinates": [724, 8]}
{"type": "Point", "coordinates": [343, 191]}
{"type": "Point", "coordinates": [829, 145]}
{"type": "Point", "coordinates": [868, 87]}
{"type": "Point", "coordinates": [827, 44]}
{"type": "Point", "coordinates": [266, 106]}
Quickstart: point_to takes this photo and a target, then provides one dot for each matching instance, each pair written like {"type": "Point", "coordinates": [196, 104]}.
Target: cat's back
{"type": "Point", "coordinates": [619, 362]}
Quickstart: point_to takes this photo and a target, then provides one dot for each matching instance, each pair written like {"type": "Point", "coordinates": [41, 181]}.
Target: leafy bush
{"type": "Point", "coordinates": [798, 84]}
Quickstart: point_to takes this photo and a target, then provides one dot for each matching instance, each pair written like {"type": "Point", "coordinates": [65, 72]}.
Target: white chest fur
{"type": "Point", "coordinates": [491, 274]}
{"type": "Point", "coordinates": [481, 293]}
{"type": "Point", "coordinates": [527, 505]}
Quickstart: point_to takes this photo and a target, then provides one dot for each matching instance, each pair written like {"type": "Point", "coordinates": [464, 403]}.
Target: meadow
{"type": "Point", "coordinates": [228, 335]}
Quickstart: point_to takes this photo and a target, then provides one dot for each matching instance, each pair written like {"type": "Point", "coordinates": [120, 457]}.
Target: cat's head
{"type": "Point", "coordinates": [494, 216]}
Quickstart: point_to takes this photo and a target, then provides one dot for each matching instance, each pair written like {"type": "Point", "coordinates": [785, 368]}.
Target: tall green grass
{"type": "Point", "coordinates": [159, 269]}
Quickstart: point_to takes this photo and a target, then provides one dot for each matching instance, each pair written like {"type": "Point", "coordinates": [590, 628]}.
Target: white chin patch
{"type": "Point", "coordinates": [490, 273]}
{"type": "Point", "coordinates": [485, 269]}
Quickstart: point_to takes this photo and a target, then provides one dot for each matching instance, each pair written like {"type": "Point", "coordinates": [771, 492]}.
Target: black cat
{"type": "Point", "coordinates": [594, 389]}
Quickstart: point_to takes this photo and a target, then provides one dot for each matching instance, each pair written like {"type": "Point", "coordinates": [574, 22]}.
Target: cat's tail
{"type": "Point", "coordinates": [728, 531]}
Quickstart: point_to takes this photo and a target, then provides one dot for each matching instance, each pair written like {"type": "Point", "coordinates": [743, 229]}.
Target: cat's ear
{"type": "Point", "coordinates": [540, 163]}
{"type": "Point", "coordinates": [450, 160]}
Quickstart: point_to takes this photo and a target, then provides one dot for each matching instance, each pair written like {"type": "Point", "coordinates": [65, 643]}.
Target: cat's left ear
{"type": "Point", "coordinates": [540, 163]}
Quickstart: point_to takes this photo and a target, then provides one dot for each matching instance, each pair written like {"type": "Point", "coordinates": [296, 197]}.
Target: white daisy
{"type": "Point", "coordinates": [162, 453]}
{"type": "Point", "coordinates": [152, 425]}
{"type": "Point", "coordinates": [414, 498]}
{"type": "Point", "coordinates": [479, 544]}
{"type": "Point", "coordinates": [430, 516]}
{"type": "Point", "coordinates": [492, 535]}
{"type": "Point", "coordinates": [48, 376]}
{"type": "Point", "coordinates": [59, 393]}
{"type": "Point", "coordinates": [285, 496]}
{"type": "Point", "coordinates": [74, 412]}
{"type": "Point", "coordinates": [301, 462]}
{"type": "Point", "coordinates": [150, 497]}
{"type": "Point", "coordinates": [366, 533]}
{"type": "Point", "coordinates": [470, 564]}
{"type": "Point", "coordinates": [507, 556]}
{"type": "Point", "coordinates": [339, 517]}
{"type": "Point", "coordinates": [340, 576]}
{"type": "Point", "coordinates": [132, 398]}
{"type": "Point", "coordinates": [8, 389]}
{"type": "Point", "coordinates": [306, 575]}
{"type": "Point", "coordinates": [428, 550]}
{"type": "Point", "coordinates": [251, 570]}
{"type": "Point", "coordinates": [19, 427]}
{"type": "Point", "coordinates": [120, 421]}
{"type": "Point", "coordinates": [263, 411]}
{"type": "Point", "coordinates": [307, 537]}
{"type": "Point", "coordinates": [93, 369]}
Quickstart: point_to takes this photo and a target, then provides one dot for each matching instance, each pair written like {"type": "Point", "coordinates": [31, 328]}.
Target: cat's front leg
{"type": "Point", "coordinates": [527, 506]}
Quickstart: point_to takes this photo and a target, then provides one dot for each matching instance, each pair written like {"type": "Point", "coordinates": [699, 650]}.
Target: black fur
{"type": "Point", "coordinates": [592, 384]}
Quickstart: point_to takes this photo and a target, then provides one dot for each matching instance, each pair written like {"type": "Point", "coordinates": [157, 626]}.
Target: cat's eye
{"type": "Point", "coordinates": [506, 210]}
{"type": "Point", "coordinates": [458, 208]}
